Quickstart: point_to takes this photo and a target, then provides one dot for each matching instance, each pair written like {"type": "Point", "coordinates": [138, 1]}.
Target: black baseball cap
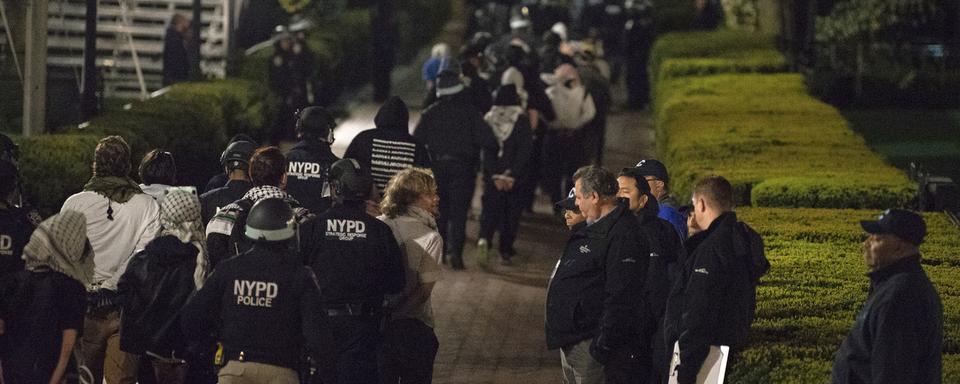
{"type": "Point", "coordinates": [635, 173]}
{"type": "Point", "coordinates": [570, 203]}
{"type": "Point", "coordinates": [907, 225]}
{"type": "Point", "coordinates": [652, 167]}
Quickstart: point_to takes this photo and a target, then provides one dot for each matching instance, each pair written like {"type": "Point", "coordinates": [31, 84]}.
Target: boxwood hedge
{"type": "Point", "coordinates": [723, 106]}
{"type": "Point", "coordinates": [816, 284]}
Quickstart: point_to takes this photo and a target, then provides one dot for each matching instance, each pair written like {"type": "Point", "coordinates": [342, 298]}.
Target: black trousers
{"type": "Point", "coordinates": [409, 348]}
{"type": "Point", "coordinates": [350, 350]}
{"type": "Point", "coordinates": [501, 212]}
{"type": "Point", "coordinates": [455, 183]}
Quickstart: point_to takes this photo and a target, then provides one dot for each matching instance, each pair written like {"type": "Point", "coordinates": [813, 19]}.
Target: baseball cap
{"type": "Point", "coordinates": [906, 225]}
{"type": "Point", "coordinates": [652, 167]}
{"type": "Point", "coordinates": [570, 203]}
{"type": "Point", "coordinates": [634, 172]}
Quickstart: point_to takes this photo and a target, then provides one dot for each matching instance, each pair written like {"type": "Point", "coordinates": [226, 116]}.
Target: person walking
{"type": "Point", "coordinates": [410, 206]}
{"type": "Point", "coordinates": [310, 159]}
{"type": "Point", "coordinates": [156, 285]}
{"type": "Point", "coordinates": [389, 148]}
{"type": "Point", "coordinates": [358, 262]}
{"type": "Point", "coordinates": [453, 130]}
{"type": "Point", "coordinates": [235, 161]}
{"type": "Point", "coordinates": [563, 145]}
{"type": "Point", "coordinates": [262, 304]}
{"type": "Point", "coordinates": [121, 220]}
{"type": "Point", "coordinates": [898, 334]}
{"type": "Point", "coordinates": [16, 223]}
{"type": "Point", "coordinates": [176, 64]}
{"type": "Point", "coordinates": [595, 298]}
{"type": "Point", "coordinates": [42, 307]}
{"type": "Point", "coordinates": [505, 166]}
{"type": "Point", "coordinates": [715, 300]}
{"type": "Point", "coordinates": [158, 172]}
{"type": "Point", "coordinates": [225, 231]}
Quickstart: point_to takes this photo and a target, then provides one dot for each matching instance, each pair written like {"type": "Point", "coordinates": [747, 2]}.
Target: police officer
{"type": "Point", "coordinates": [264, 301]}
{"type": "Point", "coordinates": [310, 160]}
{"type": "Point", "coordinates": [235, 162]}
{"type": "Point", "coordinates": [638, 38]}
{"type": "Point", "coordinates": [358, 261]}
{"type": "Point", "coordinates": [16, 221]}
{"type": "Point", "coordinates": [221, 179]}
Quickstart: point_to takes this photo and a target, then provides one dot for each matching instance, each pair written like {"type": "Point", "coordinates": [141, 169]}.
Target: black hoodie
{"type": "Point", "coordinates": [389, 148]}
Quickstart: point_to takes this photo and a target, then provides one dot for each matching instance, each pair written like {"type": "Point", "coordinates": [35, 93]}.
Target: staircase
{"type": "Point", "coordinates": [130, 32]}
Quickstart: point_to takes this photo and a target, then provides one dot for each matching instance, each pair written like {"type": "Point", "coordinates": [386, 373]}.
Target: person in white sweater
{"type": "Point", "coordinates": [563, 144]}
{"type": "Point", "coordinates": [121, 220]}
{"type": "Point", "coordinates": [410, 205]}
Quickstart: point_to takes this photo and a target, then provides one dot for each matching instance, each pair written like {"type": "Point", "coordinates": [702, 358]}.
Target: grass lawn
{"type": "Point", "coordinates": [930, 137]}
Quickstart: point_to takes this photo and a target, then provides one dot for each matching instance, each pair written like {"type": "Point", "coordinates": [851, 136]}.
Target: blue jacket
{"type": "Point", "coordinates": [669, 212]}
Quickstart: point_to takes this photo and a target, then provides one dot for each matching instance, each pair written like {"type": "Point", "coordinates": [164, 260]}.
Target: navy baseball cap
{"type": "Point", "coordinates": [906, 225]}
{"type": "Point", "coordinates": [652, 167]}
{"type": "Point", "coordinates": [570, 203]}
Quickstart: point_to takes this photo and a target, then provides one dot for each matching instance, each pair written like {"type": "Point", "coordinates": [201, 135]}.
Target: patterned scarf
{"type": "Point", "coordinates": [118, 189]}
{"type": "Point", "coordinates": [60, 243]}
{"type": "Point", "coordinates": [180, 217]}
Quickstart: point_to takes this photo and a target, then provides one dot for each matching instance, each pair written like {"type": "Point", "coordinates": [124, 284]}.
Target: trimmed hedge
{"type": "Point", "coordinates": [775, 143]}
{"type": "Point", "coordinates": [724, 107]}
{"type": "Point", "coordinates": [192, 120]}
{"type": "Point", "coordinates": [723, 51]}
{"type": "Point", "coordinates": [816, 285]}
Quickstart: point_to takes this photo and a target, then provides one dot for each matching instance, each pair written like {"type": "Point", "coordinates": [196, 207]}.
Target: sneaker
{"type": "Point", "coordinates": [483, 252]}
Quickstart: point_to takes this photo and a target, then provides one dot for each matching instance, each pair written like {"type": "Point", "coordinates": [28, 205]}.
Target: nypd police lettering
{"type": "Point", "coordinates": [255, 293]}
{"type": "Point", "coordinates": [6, 245]}
{"type": "Point", "coordinates": [303, 170]}
{"type": "Point", "coordinates": [346, 230]}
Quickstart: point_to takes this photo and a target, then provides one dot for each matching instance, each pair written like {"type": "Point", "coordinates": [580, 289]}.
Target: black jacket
{"type": "Point", "coordinates": [216, 181]}
{"type": "Point", "coordinates": [307, 166]}
{"type": "Point", "coordinates": [666, 255]}
{"type": "Point", "coordinates": [516, 152]}
{"type": "Point", "coordinates": [262, 303]}
{"type": "Point", "coordinates": [356, 257]}
{"type": "Point", "coordinates": [37, 306]}
{"type": "Point", "coordinates": [176, 66]}
{"type": "Point", "coordinates": [15, 231]}
{"type": "Point", "coordinates": [597, 290]}
{"type": "Point", "coordinates": [478, 93]}
{"type": "Point", "coordinates": [389, 148]}
{"type": "Point", "coordinates": [157, 283]}
{"type": "Point", "coordinates": [220, 197]}
{"type": "Point", "coordinates": [715, 299]}
{"type": "Point", "coordinates": [452, 130]}
{"type": "Point", "coordinates": [898, 334]}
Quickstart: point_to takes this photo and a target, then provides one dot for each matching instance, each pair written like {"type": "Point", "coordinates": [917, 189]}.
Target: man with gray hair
{"type": "Point", "coordinates": [595, 299]}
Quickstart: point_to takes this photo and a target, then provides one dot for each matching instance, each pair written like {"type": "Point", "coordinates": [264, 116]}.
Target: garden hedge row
{"type": "Point", "coordinates": [761, 129]}
{"type": "Point", "coordinates": [816, 285]}
{"type": "Point", "coordinates": [192, 120]}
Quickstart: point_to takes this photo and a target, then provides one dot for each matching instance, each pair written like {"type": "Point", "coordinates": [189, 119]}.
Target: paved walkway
{"type": "Point", "coordinates": [490, 319]}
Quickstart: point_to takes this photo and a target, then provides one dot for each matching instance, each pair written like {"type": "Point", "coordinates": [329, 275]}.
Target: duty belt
{"type": "Point", "coordinates": [352, 309]}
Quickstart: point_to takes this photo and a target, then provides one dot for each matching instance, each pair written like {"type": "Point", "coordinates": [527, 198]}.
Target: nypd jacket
{"type": "Point", "coordinates": [355, 256]}
{"type": "Point", "coordinates": [15, 230]}
{"type": "Point", "coordinates": [263, 306]}
{"type": "Point", "coordinates": [307, 166]}
{"type": "Point", "coordinates": [155, 286]}
{"type": "Point", "coordinates": [714, 301]}
{"type": "Point", "coordinates": [898, 334]}
{"type": "Point", "coordinates": [597, 289]}
{"type": "Point", "coordinates": [213, 200]}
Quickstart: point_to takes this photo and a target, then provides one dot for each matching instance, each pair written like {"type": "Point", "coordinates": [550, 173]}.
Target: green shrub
{"type": "Point", "coordinates": [742, 51]}
{"type": "Point", "coordinates": [672, 15]}
{"type": "Point", "coordinates": [753, 129]}
{"type": "Point", "coordinates": [816, 284]}
{"type": "Point", "coordinates": [55, 167]}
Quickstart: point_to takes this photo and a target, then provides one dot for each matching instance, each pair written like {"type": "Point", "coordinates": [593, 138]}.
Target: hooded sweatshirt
{"type": "Point", "coordinates": [389, 148]}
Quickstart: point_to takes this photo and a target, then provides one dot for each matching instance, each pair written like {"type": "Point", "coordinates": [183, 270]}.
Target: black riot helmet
{"type": "Point", "coordinates": [315, 122]}
{"type": "Point", "coordinates": [349, 181]}
{"type": "Point", "coordinates": [237, 155]}
{"type": "Point", "coordinates": [271, 220]}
